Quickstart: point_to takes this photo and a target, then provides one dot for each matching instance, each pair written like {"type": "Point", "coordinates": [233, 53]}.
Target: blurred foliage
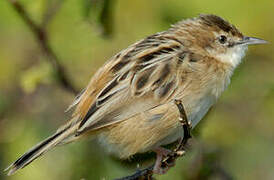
{"type": "Point", "coordinates": [35, 76]}
{"type": "Point", "coordinates": [237, 134]}
{"type": "Point", "coordinates": [100, 14]}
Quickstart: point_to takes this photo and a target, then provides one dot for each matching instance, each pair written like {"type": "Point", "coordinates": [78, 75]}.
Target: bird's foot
{"type": "Point", "coordinates": [162, 154]}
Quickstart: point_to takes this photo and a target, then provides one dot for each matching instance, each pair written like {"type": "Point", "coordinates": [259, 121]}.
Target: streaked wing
{"type": "Point", "coordinates": [137, 79]}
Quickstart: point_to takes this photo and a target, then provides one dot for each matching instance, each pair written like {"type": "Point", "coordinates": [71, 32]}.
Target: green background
{"type": "Point", "coordinates": [236, 137]}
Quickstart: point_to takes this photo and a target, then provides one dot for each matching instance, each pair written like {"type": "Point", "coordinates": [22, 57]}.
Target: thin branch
{"type": "Point", "coordinates": [179, 151]}
{"type": "Point", "coordinates": [51, 10]}
{"type": "Point", "coordinates": [144, 174]}
{"type": "Point", "coordinates": [41, 36]}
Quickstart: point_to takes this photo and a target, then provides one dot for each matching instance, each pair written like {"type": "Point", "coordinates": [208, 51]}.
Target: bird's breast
{"type": "Point", "coordinates": [198, 107]}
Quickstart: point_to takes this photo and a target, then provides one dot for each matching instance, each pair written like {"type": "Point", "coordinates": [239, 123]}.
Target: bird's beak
{"type": "Point", "coordinates": [251, 40]}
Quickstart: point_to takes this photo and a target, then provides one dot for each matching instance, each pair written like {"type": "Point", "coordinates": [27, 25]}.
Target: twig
{"type": "Point", "coordinates": [144, 174]}
{"type": "Point", "coordinates": [147, 173]}
{"type": "Point", "coordinates": [41, 36]}
{"type": "Point", "coordinates": [51, 9]}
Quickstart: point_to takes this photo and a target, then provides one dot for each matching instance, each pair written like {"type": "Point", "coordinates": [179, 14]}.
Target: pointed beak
{"type": "Point", "coordinates": [251, 40]}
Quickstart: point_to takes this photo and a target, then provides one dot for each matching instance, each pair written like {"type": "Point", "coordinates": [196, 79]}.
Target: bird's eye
{"type": "Point", "coordinates": [222, 39]}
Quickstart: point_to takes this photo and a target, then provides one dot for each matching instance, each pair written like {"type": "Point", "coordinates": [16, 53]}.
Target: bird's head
{"type": "Point", "coordinates": [212, 35]}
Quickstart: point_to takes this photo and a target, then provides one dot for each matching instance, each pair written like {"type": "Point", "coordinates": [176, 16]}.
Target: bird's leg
{"type": "Point", "coordinates": [186, 126]}
{"type": "Point", "coordinates": [166, 158]}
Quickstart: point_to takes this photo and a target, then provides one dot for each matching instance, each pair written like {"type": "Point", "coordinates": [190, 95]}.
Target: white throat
{"type": "Point", "coordinates": [233, 55]}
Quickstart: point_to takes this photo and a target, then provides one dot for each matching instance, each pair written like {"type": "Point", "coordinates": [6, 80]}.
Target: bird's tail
{"type": "Point", "coordinates": [41, 148]}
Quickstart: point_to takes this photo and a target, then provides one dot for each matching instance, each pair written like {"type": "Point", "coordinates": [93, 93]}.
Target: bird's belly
{"type": "Point", "coordinates": [159, 126]}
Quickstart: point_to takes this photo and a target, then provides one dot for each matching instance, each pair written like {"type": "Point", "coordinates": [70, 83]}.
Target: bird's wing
{"type": "Point", "coordinates": [137, 79]}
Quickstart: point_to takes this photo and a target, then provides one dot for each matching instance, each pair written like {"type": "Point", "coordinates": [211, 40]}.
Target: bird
{"type": "Point", "coordinates": [129, 102]}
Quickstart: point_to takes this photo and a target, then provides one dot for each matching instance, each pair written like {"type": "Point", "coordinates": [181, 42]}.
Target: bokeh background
{"type": "Point", "coordinates": [234, 141]}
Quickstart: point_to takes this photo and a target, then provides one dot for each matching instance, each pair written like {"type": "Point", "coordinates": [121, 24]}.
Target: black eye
{"type": "Point", "coordinates": [222, 39]}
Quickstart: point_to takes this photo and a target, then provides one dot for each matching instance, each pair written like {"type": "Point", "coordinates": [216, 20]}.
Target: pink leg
{"type": "Point", "coordinates": [161, 154]}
